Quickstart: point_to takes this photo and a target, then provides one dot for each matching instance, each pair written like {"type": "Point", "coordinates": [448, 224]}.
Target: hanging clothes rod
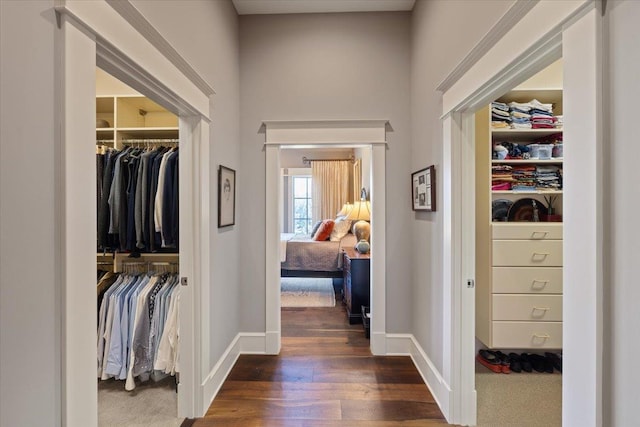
{"type": "Point", "coordinates": [307, 161]}
{"type": "Point", "coordinates": [151, 141]}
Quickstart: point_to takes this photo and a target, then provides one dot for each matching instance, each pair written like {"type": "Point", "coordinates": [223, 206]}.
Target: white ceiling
{"type": "Point", "coordinates": [258, 7]}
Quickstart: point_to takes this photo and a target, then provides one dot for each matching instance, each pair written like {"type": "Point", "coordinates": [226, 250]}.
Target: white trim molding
{"type": "Point", "coordinates": [544, 21]}
{"type": "Point", "coordinates": [92, 33]}
{"type": "Point", "coordinates": [407, 345]}
{"type": "Point", "coordinates": [318, 133]}
{"type": "Point", "coordinates": [508, 20]}
{"type": "Point", "coordinates": [570, 28]}
{"type": "Point", "coordinates": [243, 343]}
{"type": "Point", "coordinates": [321, 132]}
{"type": "Point", "coordinates": [117, 35]}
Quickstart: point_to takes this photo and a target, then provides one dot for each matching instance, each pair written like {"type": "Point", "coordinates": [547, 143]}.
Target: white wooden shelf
{"type": "Point", "coordinates": [524, 134]}
{"type": "Point", "coordinates": [526, 192]}
{"type": "Point", "coordinates": [528, 161]}
{"type": "Point", "coordinates": [134, 117]}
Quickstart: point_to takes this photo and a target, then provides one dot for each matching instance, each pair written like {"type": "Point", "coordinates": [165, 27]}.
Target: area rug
{"type": "Point", "coordinates": [306, 292]}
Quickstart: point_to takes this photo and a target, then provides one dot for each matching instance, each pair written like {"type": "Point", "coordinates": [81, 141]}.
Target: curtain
{"type": "Point", "coordinates": [357, 181]}
{"type": "Point", "coordinates": [330, 181]}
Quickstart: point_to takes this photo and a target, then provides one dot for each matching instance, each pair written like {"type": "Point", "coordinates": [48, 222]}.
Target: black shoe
{"type": "Point", "coordinates": [515, 362]}
{"type": "Point", "coordinates": [525, 363]}
{"type": "Point", "coordinates": [555, 359]}
{"type": "Point", "coordinates": [537, 362]}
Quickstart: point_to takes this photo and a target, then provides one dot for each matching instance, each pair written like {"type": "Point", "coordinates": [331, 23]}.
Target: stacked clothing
{"type": "Point", "coordinates": [548, 177]}
{"type": "Point", "coordinates": [524, 115]}
{"type": "Point", "coordinates": [541, 115]}
{"type": "Point", "coordinates": [500, 117]}
{"type": "Point", "coordinates": [559, 122]}
{"type": "Point", "coordinates": [524, 178]}
{"type": "Point", "coordinates": [501, 177]}
{"type": "Point", "coordinates": [520, 115]}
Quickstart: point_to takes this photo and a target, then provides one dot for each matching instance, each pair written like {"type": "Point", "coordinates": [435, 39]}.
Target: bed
{"type": "Point", "coordinates": [301, 256]}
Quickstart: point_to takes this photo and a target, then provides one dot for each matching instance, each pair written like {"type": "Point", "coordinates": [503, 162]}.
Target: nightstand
{"type": "Point", "coordinates": [355, 268]}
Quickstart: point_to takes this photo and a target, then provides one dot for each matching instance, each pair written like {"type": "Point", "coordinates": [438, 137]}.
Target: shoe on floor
{"type": "Point", "coordinates": [515, 363]}
{"type": "Point", "coordinates": [555, 359]}
{"type": "Point", "coordinates": [504, 362]}
{"type": "Point", "coordinates": [489, 359]}
{"type": "Point", "coordinates": [524, 362]}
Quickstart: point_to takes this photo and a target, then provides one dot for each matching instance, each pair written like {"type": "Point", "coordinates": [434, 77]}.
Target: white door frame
{"type": "Point", "coordinates": [573, 30]}
{"type": "Point", "coordinates": [95, 34]}
{"type": "Point", "coordinates": [362, 133]}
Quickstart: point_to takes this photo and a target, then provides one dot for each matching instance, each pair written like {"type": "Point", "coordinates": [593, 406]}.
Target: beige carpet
{"type": "Point", "coordinates": [518, 400]}
{"type": "Point", "coordinates": [151, 404]}
{"type": "Point", "coordinates": [306, 292]}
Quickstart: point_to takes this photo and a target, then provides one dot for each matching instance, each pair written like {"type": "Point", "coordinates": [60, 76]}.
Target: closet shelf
{"type": "Point", "coordinates": [524, 133]}
{"type": "Point", "coordinates": [526, 192]}
{"type": "Point", "coordinates": [554, 160]}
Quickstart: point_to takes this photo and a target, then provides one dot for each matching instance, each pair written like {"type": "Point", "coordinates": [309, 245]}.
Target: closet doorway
{"type": "Point", "coordinates": [577, 42]}
{"type": "Point", "coordinates": [518, 273]}
{"type": "Point", "coordinates": [91, 37]}
{"type": "Point", "coordinates": [137, 158]}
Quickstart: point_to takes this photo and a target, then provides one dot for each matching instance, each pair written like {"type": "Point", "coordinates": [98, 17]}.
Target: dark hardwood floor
{"type": "Point", "coordinates": [324, 376]}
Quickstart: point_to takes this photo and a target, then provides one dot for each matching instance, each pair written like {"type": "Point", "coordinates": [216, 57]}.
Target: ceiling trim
{"type": "Point", "coordinates": [262, 7]}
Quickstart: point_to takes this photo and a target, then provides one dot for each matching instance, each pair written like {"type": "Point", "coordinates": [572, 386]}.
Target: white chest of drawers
{"type": "Point", "coordinates": [525, 309]}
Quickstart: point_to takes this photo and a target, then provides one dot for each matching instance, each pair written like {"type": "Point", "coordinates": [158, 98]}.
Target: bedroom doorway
{"type": "Point", "coordinates": [319, 188]}
{"type": "Point", "coordinates": [281, 139]}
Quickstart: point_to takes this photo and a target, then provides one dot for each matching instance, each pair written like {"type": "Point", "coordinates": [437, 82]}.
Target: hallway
{"type": "Point", "coordinates": [325, 375]}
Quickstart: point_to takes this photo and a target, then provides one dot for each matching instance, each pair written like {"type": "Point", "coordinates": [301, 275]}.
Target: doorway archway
{"type": "Point", "coordinates": [367, 133]}
{"type": "Point", "coordinates": [575, 33]}
{"type": "Point", "coordinates": [97, 34]}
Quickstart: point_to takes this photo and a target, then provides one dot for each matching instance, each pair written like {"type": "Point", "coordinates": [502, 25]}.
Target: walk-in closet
{"type": "Point", "coordinates": [519, 247]}
{"type": "Point", "coordinates": [137, 241]}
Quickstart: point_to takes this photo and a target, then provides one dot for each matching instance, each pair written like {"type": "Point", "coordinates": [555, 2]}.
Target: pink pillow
{"type": "Point", "coordinates": [324, 231]}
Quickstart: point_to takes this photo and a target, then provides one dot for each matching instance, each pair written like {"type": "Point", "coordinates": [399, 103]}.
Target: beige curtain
{"type": "Point", "coordinates": [330, 180]}
{"type": "Point", "coordinates": [357, 180]}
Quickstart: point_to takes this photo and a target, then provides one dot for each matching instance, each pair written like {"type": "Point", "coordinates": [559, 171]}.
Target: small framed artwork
{"type": "Point", "coordinates": [423, 188]}
{"type": "Point", "coordinates": [226, 196]}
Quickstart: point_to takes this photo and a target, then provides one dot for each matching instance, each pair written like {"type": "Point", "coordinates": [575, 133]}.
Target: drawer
{"type": "Point", "coordinates": [527, 253]}
{"type": "Point", "coordinates": [524, 280]}
{"type": "Point", "coordinates": [547, 308]}
{"type": "Point", "coordinates": [527, 231]}
{"type": "Point", "coordinates": [527, 335]}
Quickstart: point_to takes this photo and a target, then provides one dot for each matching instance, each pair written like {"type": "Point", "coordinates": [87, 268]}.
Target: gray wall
{"type": "Point", "coordinates": [443, 32]}
{"type": "Point", "coordinates": [325, 66]}
{"type": "Point", "coordinates": [622, 293]}
{"type": "Point", "coordinates": [29, 357]}
{"type": "Point", "coordinates": [206, 35]}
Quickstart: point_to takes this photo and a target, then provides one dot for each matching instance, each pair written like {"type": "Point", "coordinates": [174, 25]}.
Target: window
{"type": "Point", "coordinates": [302, 204]}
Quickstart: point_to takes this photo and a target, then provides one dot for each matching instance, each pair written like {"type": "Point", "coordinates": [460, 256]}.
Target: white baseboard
{"type": "Point", "coordinates": [243, 343]}
{"type": "Point", "coordinates": [407, 345]}
{"type": "Point", "coordinates": [396, 345]}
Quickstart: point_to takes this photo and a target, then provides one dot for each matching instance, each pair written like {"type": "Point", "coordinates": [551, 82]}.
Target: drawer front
{"type": "Point", "coordinates": [527, 231]}
{"type": "Point", "coordinates": [527, 335]}
{"type": "Point", "coordinates": [546, 308]}
{"type": "Point", "coordinates": [524, 280]}
{"type": "Point", "coordinates": [527, 253]}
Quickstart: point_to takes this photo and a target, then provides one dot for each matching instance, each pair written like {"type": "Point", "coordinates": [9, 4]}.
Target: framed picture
{"type": "Point", "coordinates": [423, 188]}
{"type": "Point", "coordinates": [226, 196]}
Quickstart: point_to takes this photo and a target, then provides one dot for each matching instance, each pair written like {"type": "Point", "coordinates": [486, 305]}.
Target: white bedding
{"type": "Point", "coordinates": [284, 238]}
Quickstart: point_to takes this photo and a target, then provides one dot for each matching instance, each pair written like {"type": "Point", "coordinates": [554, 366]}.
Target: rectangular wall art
{"type": "Point", "coordinates": [423, 187]}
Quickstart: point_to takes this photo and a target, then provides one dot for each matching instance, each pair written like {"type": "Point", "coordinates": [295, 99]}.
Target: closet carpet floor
{"type": "Point", "coordinates": [518, 400]}
{"type": "Point", "coordinates": [151, 404]}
